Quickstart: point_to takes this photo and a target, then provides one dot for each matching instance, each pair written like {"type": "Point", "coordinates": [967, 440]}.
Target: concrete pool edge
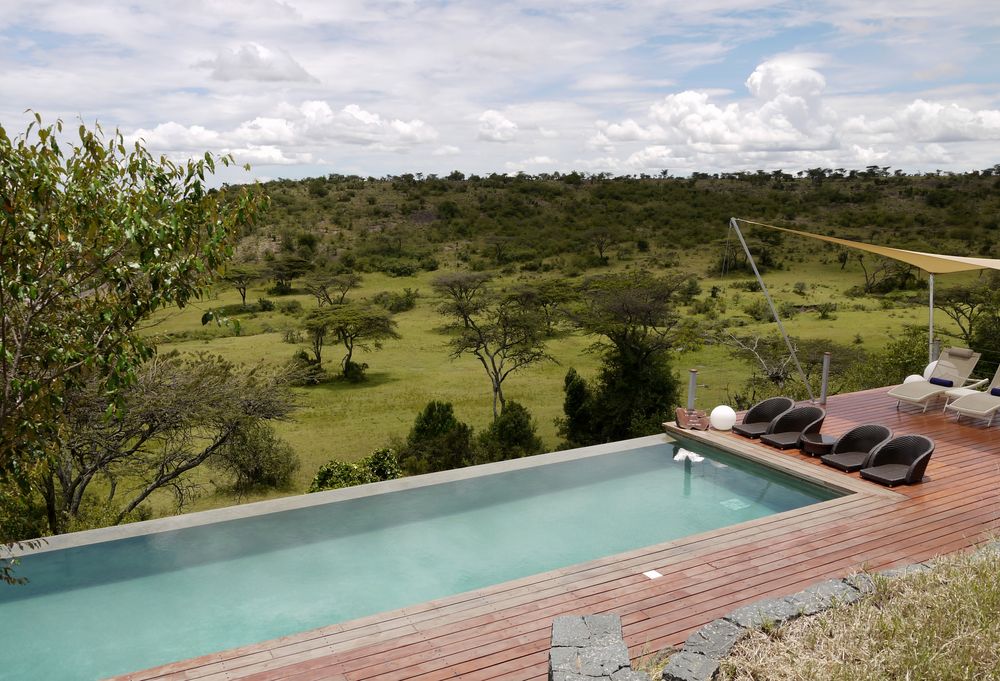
{"type": "Point", "coordinates": [299, 501]}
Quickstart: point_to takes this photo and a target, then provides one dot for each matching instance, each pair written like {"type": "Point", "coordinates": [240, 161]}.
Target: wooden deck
{"type": "Point", "coordinates": [503, 632]}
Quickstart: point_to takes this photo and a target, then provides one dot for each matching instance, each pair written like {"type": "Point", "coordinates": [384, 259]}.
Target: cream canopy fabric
{"type": "Point", "coordinates": [928, 262]}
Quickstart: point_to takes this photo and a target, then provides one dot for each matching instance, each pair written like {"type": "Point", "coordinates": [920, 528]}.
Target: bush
{"type": "Point", "coordinates": [256, 457]}
{"type": "Point", "coordinates": [265, 304]}
{"type": "Point", "coordinates": [290, 307]}
{"type": "Point", "coordinates": [355, 372]}
{"type": "Point", "coordinates": [306, 370]}
{"type": "Point", "coordinates": [293, 336]}
{"type": "Point", "coordinates": [397, 302]}
{"type": "Point", "coordinates": [382, 464]}
{"type": "Point", "coordinates": [437, 442]}
{"type": "Point", "coordinates": [512, 435]}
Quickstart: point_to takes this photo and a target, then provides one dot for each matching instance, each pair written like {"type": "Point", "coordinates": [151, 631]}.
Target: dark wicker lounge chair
{"type": "Point", "coordinates": [784, 431]}
{"type": "Point", "coordinates": [900, 460]}
{"type": "Point", "coordinates": [756, 421]}
{"type": "Point", "coordinates": [852, 450]}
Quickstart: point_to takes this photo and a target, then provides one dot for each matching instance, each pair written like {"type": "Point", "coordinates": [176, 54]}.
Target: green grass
{"type": "Point", "coordinates": [941, 624]}
{"type": "Point", "coordinates": [347, 421]}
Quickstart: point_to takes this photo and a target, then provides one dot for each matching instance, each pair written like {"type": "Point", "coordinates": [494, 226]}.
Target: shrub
{"type": "Point", "coordinates": [382, 464]}
{"type": "Point", "coordinates": [290, 307]}
{"type": "Point", "coordinates": [437, 442]}
{"type": "Point", "coordinates": [512, 435]}
{"type": "Point", "coordinates": [265, 304]}
{"type": "Point", "coordinates": [305, 370]}
{"type": "Point", "coordinates": [256, 457]}
{"type": "Point", "coordinates": [397, 302]}
{"type": "Point", "coordinates": [293, 336]}
{"type": "Point", "coordinates": [355, 372]}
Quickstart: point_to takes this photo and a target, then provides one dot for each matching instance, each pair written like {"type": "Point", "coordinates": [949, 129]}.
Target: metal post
{"type": "Point", "coordinates": [936, 349]}
{"type": "Point", "coordinates": [774, 311]}
{"type": "Point", "coordinates": [692, 388]}
{"type": "Point", "coordinates": [826, 378]}
{"type": "Point", "coordinates": [930, 319]}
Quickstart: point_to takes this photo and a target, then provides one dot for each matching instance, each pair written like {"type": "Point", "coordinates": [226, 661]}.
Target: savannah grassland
{"type": "Point", "coordinates": [529, 229]}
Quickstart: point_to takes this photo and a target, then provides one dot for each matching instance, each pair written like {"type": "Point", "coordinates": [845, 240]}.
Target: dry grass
{"type": "Point", "coordinates": [937, 625]}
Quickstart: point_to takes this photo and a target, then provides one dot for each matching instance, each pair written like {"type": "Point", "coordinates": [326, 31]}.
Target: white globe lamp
{"type": "Point", "coordinates": [930, 370]}
{"type": "Point", "coordinates": [913, 378]}
{"type": "Point", "coordinates": [722, 418]}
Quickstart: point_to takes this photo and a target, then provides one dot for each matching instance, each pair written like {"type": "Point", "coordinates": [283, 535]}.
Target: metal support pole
{"type": "Point", "coordinates": [936, 349]}
{"type": "Point", "coordinates": [692, 388]}
{"type": "Point", "coordinates": [770, 303]}
{"type": "Point", "coordinates": [930, 319]}
{"type": "Point", "coordinates": [826, 378]}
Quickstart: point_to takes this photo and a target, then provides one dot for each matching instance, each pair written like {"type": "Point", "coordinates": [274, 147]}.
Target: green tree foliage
{"type": "Point", "coordinates": [176, 415]}
{"type": "Point", "coordinates": [438, 441]}
{"type": "Point", "coordinates": [94, 236]}
{"type": "Point", "coordinates": [240, 277]}
{"type": "Point", "coordinates": [637, 323]}
{"type": "Point", "coordinates": [353, 325]}
{"type": "Point", "coordinates": [382, 464]}
{"type": "Point", "coordinates": [902, 356]}
{"type": "Point", "coordinates": [502, 331]}
{"type": "Point", "coordinates": [332, 289]}
{"type": "Point", "coordinates": [255, 457]}
{"type": "Point", "coordinates": [511, 435]}
{"type": "Point", "coordinates": [974, 308]}
{"type": "Point", "coordinates": [286, 268]}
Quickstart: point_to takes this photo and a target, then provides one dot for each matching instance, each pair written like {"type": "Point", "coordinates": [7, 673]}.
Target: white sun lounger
{"type": "Point", "coordinates": [979, 404]}
{"type": "Point", "coordinates": [954, 364]}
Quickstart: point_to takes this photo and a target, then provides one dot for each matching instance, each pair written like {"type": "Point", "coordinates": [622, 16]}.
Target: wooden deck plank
{"type": "Point", "coordinates": [502, 632]}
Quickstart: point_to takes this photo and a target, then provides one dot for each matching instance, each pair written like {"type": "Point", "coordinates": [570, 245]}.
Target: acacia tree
{"type": "Point", "coordinates": [94, 236]}
{"type": "Point", "coordinates": [353, 325]}
{"type": "Point", "coordinates": [332, 289]}
{"type": "Point", "coordinates": [637, 324]}
{"type": "Point", "coordinates": [175, 416]}
{"type": "Point", "coordinates": [970, 306]}
{"type": "Point", "coordinates": [501, 331]}
{"type": "Point", "coordinates": [240, 277]}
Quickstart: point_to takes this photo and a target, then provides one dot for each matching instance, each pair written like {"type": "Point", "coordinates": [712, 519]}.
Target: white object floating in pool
{"type": "Point", "coordinates": [652, 574]}
{"type": "Point", "coordinates": [684, 454]}
{"type": "Point", "coordinates": [734, 504]}
{"type": "Point", "coordinates": [722, 418]}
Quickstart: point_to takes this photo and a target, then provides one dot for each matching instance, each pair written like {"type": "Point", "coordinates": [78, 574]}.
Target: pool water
{"type": "Point", "coordinates": [119, 606]}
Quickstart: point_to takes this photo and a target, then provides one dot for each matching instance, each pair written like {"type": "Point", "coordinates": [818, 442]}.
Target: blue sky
{"type": "Point", "coordinates": [308, 87]}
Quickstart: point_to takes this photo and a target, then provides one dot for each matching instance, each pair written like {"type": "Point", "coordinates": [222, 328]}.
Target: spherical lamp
{"type": "Point", "coordinates": [913, 378]}
{"type": "Point", "coordinates": [722, 418]}
{"type": "Point", "coordinates": [930, 370]}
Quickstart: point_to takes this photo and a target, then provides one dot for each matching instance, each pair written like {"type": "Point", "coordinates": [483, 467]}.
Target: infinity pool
{"type": "Point", "coordinates": [118, 606]}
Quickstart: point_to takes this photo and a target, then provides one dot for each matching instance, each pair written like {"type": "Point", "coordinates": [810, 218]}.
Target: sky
{"type": "Point", "coordinates": [301, 88]}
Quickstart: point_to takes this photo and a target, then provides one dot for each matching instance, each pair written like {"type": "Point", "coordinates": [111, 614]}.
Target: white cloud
{"type": "Point", "coordinates": [286, 138]}
{"type": "Point", "coordinates": [495, 127]}
{"type": "Point", "coordinates": [251, 61]}
{"type": "Point", "coordinates": [376, 85]}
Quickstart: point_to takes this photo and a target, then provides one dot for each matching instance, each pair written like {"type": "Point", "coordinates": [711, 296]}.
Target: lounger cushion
{"type": "Point", "coordinates": [890, 474]}
{"type": "Point", "coordinates": [964, 353]}
{"type": "Point", "coordinates": [782, 440]}
{"type": "Point", "coordinates": [947, 383]}
{"type": "Point", "coordinates": [846, 461]}
{"type": "Point", "coordinates": [751, 429]}
{"type": "Point", "coordinates": [995, 392]}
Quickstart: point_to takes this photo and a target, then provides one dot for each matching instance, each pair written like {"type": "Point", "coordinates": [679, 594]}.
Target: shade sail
{"type": "Point", "coordinates": [928, 262]}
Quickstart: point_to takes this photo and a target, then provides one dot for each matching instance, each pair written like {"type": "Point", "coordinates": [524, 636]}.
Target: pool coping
{"type": "Point", "coordinates": [300, 501]}
{"type": "Point", "coordinates": [748, 450]}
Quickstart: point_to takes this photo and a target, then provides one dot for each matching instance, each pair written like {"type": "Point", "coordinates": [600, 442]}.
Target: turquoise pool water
{"type": "Point", "coordinates": [124, 605]}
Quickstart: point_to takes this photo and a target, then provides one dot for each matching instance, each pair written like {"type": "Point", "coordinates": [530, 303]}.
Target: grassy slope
{"type": "Point", "coordinates": [345, 421]}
